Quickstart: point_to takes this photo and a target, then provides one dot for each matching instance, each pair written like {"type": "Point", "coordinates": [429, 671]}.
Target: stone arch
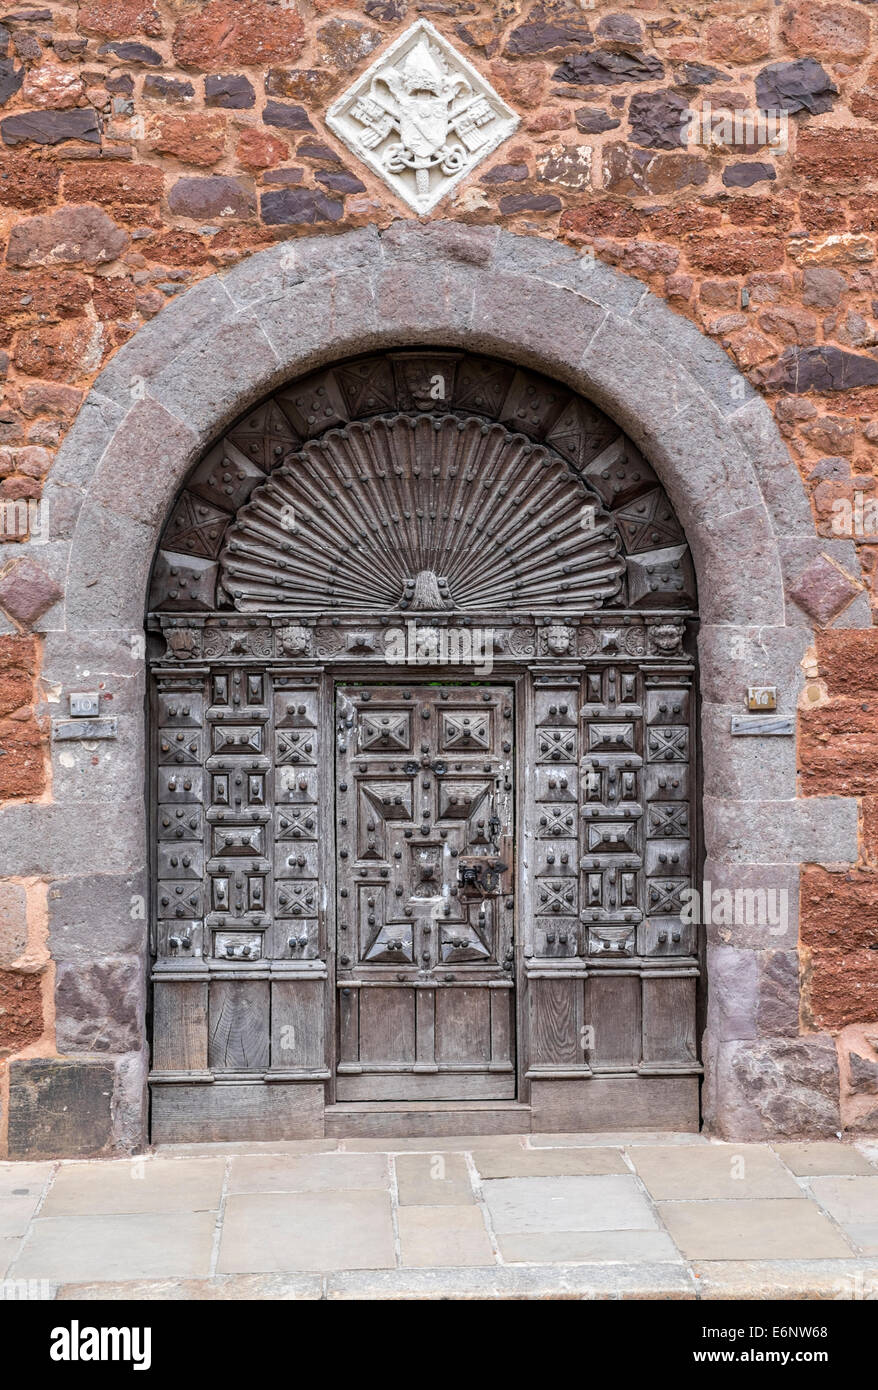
{"type": "Point", "coordinates": [236, 337]}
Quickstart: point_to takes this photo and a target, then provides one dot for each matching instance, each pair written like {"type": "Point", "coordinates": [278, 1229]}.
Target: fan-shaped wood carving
{"type": "Point", "coordinates": [422, 512]}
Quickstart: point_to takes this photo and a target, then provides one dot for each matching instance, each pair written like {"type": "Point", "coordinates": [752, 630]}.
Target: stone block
{"type": "Point", "coordinates": [745, 768]}
{"type": "Point", "coordinates": [21, 1010]}
{"type": "Point", "coordinates": [214, 196]}
{"type": "Point", "coordinates": [13, 922]}
{"type": "Point", "coordinates": [548, 323]}
{"type": "Point", "coordinates": [86, 772]}
{"type": "Point", "coordinates": [731, 658]}
{"type": "Point", "coordinates": [122, 484]}
{"type": "Point", "coordinates": [60, 1108]}
{"type": "Point", "coordinates": [187, 319]}
{"type": "Point", "coordinates": [87, 438]}
{"type": "Point", "coordinates": [96, 916]}
{"type": "Point", "coordinates": [671, 419]}
{"type": "Point", "coordinates": [818, 589]}
{"type": "Point", "coordinates": [71, 236]}
{"type": "Point", "coordinates": [27, 591]}
{"type": "Point", "coordinates": [438, 244]}
{"type": "Point", "coordinates": [306, 323]}
{"type": "Point", "coordinates": [733, 976]}
{"type": "Point", "coordinates": [414, 303]}
{"type": "Point", "coordinates": [100, 1006]}
{"type": "Point", "coordinates": [779, 479]}
{"type": "Point", "coordinates": [778, 1088]}
{"type": "Point", "coordinates": [736, 553]}
{"type": "Point", "coordinates": [47, 840]}
{"type": "Point", "coordinates": [111, 661]}
{"type": "Point", "coordinates": [204, 385]}
{"type": "Point", "coordinates": [821, 829]}
{"type": "Point", "coordinates": [112, 558]}
{"type": "Point", "coordinates": [705, 360]}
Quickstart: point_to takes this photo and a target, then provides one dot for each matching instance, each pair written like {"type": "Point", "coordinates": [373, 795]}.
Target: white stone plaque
{"type": "Point", "coordinates": [421, 117]}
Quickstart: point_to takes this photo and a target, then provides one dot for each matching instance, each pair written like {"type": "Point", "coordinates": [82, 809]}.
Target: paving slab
{"type": "Point", "coordinates": [548, 1163]}
{"type": "Point", "coordinates": [21, 1188]}
{"type": "Point", "coordinates": [146, 1245]}
{"type": "Point", "coordinates": [853, 1203]}
{"type": "Point", "coordinates": [733, 1171]}
{"type": "Point", "coordinates": [578, 1282]}
{"type": "Point", "coordinates": [623, 1139]}
{"type": "Point", "coordinates": [138, 1185]}
{"type": "Point", "coordinates": [23, 1178]}
{"type": "Point", "coordinates": [265, 1146]}
{"type": "Point", "coordinates": [431, 1180]}
{"type": "Point", "coordinates": [543, 1205]}
{"type": "Point", "coordinates": [9, 1248]}
{"type": "Point", "coordinates": [760, 1230]}
{"type": "Point", "coordinates": [269, 1232]}
{"type": "Point", "coordinates": [16, 1213]}
{"type": "Point", "coordinates": [602, 1247]}
{"type": "Point", "coordinates": [455, 1143]}
{"type": "Point", "coordinates": [852, 1280]}
{"type": "Point", "coordinates": [277, 1287]}
{"type": "Point", "coordinates": [823, 1157]}
{"type": "Point", "coordinates": [445, 1235]}
{"type": "Point", "coordinates": [456, 1217]}
{"type": "Point", "coordinates": [307, 1172]}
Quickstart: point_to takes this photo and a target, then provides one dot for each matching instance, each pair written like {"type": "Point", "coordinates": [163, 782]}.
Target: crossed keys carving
{"type": "Point", "coordinates": [425, 104]}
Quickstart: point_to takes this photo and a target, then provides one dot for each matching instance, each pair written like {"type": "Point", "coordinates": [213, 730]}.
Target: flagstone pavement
{"type": "Point", "coordinates": [537, 1216]}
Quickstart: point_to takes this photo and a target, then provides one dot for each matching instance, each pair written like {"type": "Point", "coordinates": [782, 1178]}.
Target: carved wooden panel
{"type": "Point", "coordinates": [611, 855]}
{"type": "Point", "coordinates": [362, 485]}
{"type": "Point", "coordinates": [424, 800]}
{"type": "Point", "coordinates": [239, 940]}
{"type": "Point", "coordinates": [413, 493]}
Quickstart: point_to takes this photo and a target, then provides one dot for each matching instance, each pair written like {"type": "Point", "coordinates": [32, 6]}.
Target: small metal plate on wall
{"type": "Point", "coordinates": [63, 730]}
{"type": "Point", "coordinates": [85, 704]}
{"type": "Point", "coordinates": [763, 724]}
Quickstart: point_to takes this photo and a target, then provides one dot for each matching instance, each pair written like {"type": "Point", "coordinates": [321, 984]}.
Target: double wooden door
{"type": "Point", "coordinates": [424, 843]}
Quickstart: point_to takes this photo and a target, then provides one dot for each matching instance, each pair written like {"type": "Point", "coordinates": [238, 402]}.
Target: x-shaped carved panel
{"type": "Point", "coordinates": [668, 744]}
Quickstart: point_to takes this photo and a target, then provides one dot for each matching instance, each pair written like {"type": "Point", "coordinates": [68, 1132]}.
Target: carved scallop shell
{"type": "Point", "coordinates": [421, 512]}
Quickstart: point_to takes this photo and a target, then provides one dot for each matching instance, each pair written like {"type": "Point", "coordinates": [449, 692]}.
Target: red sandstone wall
{"type": "Point", "coordinates": [144, 146]}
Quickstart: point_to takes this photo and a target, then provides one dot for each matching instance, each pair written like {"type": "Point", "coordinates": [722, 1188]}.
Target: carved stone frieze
{"type": "Point", "coordinates": [403, 641]}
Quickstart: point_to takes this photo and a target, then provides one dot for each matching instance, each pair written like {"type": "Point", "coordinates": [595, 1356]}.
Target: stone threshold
{"type": "Point", "coordinates": [764, 1280]}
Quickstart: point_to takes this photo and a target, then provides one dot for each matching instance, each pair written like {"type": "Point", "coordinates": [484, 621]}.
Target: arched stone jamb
{"type": "Point", "coordinates": [235, 337]}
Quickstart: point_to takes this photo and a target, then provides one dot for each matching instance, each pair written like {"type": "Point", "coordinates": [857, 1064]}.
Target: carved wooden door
{"type": "Point", "coordinates": [424, 812]}
{"type": "Point", "coordinates": [337, 925]}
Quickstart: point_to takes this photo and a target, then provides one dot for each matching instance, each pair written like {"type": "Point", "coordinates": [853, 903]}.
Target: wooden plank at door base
{"type": "Point", "coordinates": [615, 1103]}
{"type": "Point", "coordinates": [418, 1120]}
{"type": "Point", "coordinates": [180, 1026]}
{"type": "Point", "coordinates": [438, 1086]}
{"type": "Point", "coordinates": [225, 1112]}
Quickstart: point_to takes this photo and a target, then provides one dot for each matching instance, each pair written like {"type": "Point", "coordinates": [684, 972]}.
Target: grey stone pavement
{"type": "Point", "coordinates": [537, 1216]}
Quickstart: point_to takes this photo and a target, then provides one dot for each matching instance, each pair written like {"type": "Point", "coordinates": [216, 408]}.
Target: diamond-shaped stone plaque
{"type": "Point", "coordinates": [421, 117]}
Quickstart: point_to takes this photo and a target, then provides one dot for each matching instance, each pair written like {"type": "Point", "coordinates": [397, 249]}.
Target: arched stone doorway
{"type": "Point", "coordinates": [424, 782]}
{"type": "Point", "coordinates": [235, 338]}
